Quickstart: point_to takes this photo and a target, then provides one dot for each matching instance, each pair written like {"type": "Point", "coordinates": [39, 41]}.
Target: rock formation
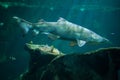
{"type": "Point", "coordinates": [48, 63]}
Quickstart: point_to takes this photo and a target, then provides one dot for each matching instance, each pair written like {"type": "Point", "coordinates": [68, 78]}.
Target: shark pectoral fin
{"type": "Point", "coordinates": [81, 43]}
{"type": "Point", "coordinates": [51, 36]}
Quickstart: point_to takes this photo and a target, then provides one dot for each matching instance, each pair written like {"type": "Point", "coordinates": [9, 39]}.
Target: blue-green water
{"type": "Point", "coordinates": [102, 17]}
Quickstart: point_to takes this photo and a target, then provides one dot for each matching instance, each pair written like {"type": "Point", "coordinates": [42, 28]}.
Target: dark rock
{"type": "Point", "coordinates": [39, 60]}
{"type": "Point", "coordinates": [102, 64]}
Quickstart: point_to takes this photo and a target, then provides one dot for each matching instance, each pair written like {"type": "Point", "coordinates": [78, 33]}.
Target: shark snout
{"type": "Point", "coordinates": [106, 41]}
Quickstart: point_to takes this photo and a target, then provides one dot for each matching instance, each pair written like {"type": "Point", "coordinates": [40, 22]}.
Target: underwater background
{"type": "Point", "coordinates": [100, 16]}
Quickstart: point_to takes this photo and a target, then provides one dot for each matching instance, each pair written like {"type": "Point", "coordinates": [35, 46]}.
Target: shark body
{"type": "Point", "coordinates": [63, 29]}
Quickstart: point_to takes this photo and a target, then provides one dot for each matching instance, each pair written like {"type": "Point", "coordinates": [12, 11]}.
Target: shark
{"type": "Point", "coordinates": [62, 29]}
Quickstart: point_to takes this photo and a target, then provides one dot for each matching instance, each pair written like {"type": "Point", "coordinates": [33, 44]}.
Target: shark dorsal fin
{"type": "Point", "coordinates": [61, 19]}
{"type": "Point", "coordinates": [41, 21]}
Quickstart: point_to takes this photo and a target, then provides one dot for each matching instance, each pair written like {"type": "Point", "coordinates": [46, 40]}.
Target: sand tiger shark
{"type": "Point", "coordinates": [62, 29]}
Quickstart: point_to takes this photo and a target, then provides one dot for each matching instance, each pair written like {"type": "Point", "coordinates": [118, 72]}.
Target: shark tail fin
{"type": "Point", "coordinates": [25, 25]}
